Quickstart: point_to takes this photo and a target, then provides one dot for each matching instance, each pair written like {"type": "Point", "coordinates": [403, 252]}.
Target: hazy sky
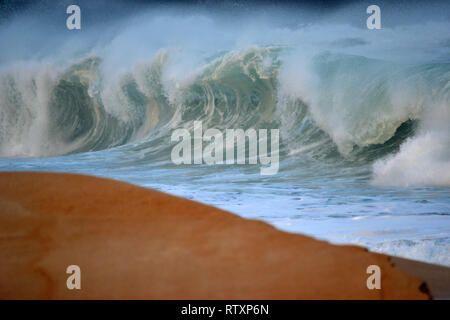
{"type": "Point", "coordinates": [38, 28]}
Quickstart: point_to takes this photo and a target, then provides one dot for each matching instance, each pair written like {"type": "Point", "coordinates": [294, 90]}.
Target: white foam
{"type": "Point", "coordinates": [24, 128]}
{"type": "Point", "coordinates": [421, 250]}
{"type": "Point", "coordinates": [424, 160]}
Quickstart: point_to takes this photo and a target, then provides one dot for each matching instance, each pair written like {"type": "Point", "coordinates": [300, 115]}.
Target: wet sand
{"type": "Point", "coordinates": [135, 243]}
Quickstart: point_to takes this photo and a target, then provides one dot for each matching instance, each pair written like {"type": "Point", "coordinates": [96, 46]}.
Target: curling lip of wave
{"type": "Point", "coordinates": [78, 111]}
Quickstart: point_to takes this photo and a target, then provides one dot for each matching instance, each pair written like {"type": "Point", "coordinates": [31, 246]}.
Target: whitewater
{"type": "Point", "coordinates": [363, 115]}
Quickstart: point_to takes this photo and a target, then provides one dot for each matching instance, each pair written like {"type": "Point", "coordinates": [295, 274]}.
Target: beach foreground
{"type": "Point", "coordinates": [135, 243]}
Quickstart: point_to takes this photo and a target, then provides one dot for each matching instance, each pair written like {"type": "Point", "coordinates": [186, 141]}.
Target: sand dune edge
{"type": "Point", "coordinates": [135, 243]}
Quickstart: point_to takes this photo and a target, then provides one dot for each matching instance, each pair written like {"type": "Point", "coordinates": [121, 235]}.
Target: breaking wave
{"type": "Point", "coordinates": [329, 106]}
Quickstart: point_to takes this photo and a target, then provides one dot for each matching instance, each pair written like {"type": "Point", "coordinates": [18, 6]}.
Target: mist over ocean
{"type": "Point", "coordinates": [363, 114]}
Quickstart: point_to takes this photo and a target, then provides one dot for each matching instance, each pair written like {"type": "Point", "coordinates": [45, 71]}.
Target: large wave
{"type": "Point", "coordinates": [330, 101]}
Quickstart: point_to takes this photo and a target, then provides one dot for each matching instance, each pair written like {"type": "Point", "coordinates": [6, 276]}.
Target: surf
{"type": "Point", "coordinates": [335, 102]}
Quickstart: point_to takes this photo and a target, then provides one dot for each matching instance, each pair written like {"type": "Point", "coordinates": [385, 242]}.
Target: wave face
{"type": "Point", "coordinates": [342, 101]}
{"type": "Point", "coordinates": [330, 106]}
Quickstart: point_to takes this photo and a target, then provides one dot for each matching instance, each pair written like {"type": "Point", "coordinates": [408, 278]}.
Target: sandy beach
{"type": "Point", "coordinates": [135, 243]}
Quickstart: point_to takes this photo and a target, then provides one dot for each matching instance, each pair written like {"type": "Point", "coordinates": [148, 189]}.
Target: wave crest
{"type": "Point", "coordinates": [326, 106]}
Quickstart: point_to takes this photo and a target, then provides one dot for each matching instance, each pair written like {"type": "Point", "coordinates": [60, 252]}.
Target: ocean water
{"type": "Point", "coordinates": [363, 114]}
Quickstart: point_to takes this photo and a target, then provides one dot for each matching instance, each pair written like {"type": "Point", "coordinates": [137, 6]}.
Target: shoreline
{"type": "Point", "coordinates": [136, 243]}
